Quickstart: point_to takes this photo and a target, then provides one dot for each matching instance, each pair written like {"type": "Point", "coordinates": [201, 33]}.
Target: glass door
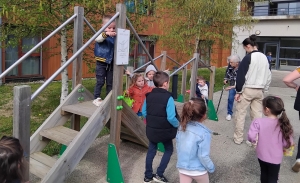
{"type": "Point", "coordinates": [273, 49]}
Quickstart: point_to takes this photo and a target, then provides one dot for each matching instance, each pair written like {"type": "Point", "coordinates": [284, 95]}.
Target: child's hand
{"type": "Point", "coordinates": [126, 93]}
{"type": "Point", "coordinates": [111, 34]}
{"type": "Point", "coordinates": [202, 96]}
{"type": "Point", "coordinates": [225, 82]}
{"type": "Point", "coordinates": [127, 72]}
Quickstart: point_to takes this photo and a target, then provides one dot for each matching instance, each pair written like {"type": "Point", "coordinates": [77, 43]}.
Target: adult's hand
{"type": "Point", "coordinates": [237, 97]}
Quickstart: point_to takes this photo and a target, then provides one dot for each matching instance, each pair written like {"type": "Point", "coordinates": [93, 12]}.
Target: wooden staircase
{"type": "Point", "coordinates": [56, 170]}
{"type": "Point", "coordinates": [52, 170]}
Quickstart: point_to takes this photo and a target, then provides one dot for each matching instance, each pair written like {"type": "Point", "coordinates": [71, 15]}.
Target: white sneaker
{"type": "Point", "coordinates": [228, 117]}
{"type": "Point", "coordinates": [296, 166]}
{"type": "Point", "coordinates": [97, 102]}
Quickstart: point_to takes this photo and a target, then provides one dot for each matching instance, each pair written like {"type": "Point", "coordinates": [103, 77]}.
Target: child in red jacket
{"type": "Point", "coordinates": [137, 91]}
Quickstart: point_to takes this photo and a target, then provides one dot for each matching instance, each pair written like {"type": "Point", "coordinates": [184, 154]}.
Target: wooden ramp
{"type": "Point", "coordinates": [77, 142]}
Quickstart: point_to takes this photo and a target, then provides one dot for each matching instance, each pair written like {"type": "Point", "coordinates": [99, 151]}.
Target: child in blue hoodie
{"type": "Point", "coordinates": [193, 144]}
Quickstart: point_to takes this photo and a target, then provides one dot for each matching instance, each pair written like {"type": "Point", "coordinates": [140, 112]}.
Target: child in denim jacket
{"type": "Point", "coordinates": [193, 161]}
{"type": "Point", "coordinates": [104, 54]}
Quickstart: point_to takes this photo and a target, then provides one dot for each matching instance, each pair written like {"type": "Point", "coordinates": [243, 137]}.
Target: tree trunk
{"type": "Point", "coordinates": [64, 74]}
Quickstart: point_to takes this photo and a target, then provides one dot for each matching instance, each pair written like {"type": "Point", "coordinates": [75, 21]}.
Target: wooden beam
{"type": "Point", "coordinates": [212, 82]}
{"type": "Point", "coordinates": [77, 44]}
{"type": "Point", "coordinates": [128, 80]}
{"type": "Point", "coordinates": [194, 75]}
{"type": "Point", "coordinates": [183, 82]}
{"type": "Point", "coordinates": [21, 121]}
{"type": "Point", "coordinates": [132, 122]}
{"type": "Point", "coordinates": [77, 63]}
{"type": "Point", "coordinates": [163, 61]}
{"type": "Point", "coordinates": [81, 143]}
{"type": "Point", "coordinates": [115, 122]}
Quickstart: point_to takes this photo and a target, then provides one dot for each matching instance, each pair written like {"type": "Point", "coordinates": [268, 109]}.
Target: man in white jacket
{"type": "Point", "coordinates": [253, 79]}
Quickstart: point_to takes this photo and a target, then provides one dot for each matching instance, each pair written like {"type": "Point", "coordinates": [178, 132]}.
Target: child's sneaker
{"type": "Point", "coordinates": [97, 102]}
{"type": "Point", "coordinates": [296, 166]}
{"type": "Point", "coordinates": [147, 180]}
{"type": "Point", "coordinates": [160, 179]}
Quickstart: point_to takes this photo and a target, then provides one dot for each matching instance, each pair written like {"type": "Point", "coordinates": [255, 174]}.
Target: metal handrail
{"type": "Point", "coordinates": [203, 62]}
{"type": "Point", "coordinates": [140, 41]}
{"type": "Point", "coordinates": [147, 63]}
{"type": "Point", "coordinates": [68, 62]}
{"type": "Point", "coordinates": [275, 11]}
{"type": "Point", "coordinates": [37, 46]}
{"type": "Point", "coordinates": [89, 25]}
{"type": "Point", "coordinates": [173, 60]}
{"type": "Point", "coordinates": [177, 70]}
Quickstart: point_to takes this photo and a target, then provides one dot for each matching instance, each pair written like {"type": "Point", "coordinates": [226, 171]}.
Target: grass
{"type": "Point", "coordinates": [49, 99]}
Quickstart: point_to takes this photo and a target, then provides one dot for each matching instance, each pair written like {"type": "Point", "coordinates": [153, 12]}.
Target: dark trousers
{"type": "Point", "coordinates": [164, 160]}
{"type": "Point", "coordinates": [298, 152]}
{"type": "Point", "coordinates": [104, 72]}
{"type": "Point", "coordinates": [269, 172]}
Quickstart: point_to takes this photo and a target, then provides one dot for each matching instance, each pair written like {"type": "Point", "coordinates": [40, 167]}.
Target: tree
{"type": "Point", "coordinates": [187, 22]}
{"type": "Point", "coordinates": [28, 18]}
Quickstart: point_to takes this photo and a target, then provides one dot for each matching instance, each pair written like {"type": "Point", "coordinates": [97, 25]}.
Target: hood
{"type": "Point", "coordinates": [149, 68]}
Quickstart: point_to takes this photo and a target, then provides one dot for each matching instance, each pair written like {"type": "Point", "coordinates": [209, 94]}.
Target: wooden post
{"type": "Point", "coordinates": [212, 82]}
{"type": "Point", "coordinates": [128, 81]}
{"type": "Point", "coordinates": [115, 122]}
{"type": "Point", "coordinates": [163, 61]}
{"type": "Point", "coordinates": [77, 63]}
{"type": "Point", "coordinates": [194, 75]}
{"type": "Point", "coordinates": [183, 81]}
{"type": "Point", "coordinates": [21, 121]}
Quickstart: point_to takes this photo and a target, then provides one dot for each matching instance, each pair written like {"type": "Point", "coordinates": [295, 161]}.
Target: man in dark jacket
{"type": "Point", "coordinates": [162, 122]}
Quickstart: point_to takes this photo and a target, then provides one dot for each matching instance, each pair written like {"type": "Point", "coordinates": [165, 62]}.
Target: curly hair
{"type": "Point", "coordinates": [135, 78]}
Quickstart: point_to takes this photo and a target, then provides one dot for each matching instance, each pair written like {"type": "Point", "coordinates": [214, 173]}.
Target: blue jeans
{"type": "Point", "coordinates": [104, 72]}
{"type": "Point", "coordinates": [164, 160]}
{"type": "Point", "coordinates": [231, 95]}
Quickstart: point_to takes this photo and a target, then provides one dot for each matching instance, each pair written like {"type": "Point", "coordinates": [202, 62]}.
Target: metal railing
{"type": "Point", "coordinates": [37, 46]}
{"type": "Point", "coordinates": [173, 60]}
{"type": "Point", "coordinates": [181, 67]}
{"type": "Point", "coordinates": [265, 11]}
{"type": "Point", "coordinates": [68, 62]}
{"type": "Point", "coordinates": [147, 63]}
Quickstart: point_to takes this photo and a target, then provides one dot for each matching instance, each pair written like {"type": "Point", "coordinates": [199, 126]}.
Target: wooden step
{"type": "Point", "coordinates": [86, 108]}
{"type": "Point", "coordinates": [40, 164]}
{"type": "Point", "coordinates": [59, 134]}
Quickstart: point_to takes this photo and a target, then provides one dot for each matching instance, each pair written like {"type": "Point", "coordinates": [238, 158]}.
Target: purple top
{"type": "Point", "coordinates": [270, 142]}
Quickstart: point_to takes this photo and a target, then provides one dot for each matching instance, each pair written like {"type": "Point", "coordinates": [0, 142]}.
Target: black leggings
{"type": "Point", "coordinates": [298, 154]}
{"type": "Point", "coordinates": [269, 172]}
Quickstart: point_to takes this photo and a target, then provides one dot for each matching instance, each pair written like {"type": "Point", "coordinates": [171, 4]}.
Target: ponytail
{"type": "Point", "coordinates": [193, 110]}
{"type": "Point", "coordinates": [286, 128]}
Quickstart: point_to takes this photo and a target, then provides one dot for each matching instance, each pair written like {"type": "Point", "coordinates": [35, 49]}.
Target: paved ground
{"type": "Point", "coordinates": [234, 163]}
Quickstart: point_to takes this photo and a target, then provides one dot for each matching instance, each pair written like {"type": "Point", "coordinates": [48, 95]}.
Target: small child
{"type": "Point", "coordinates": [193, 161]}
{"type": "Point", "coordinates": [11, 160]}
{"type": "Point", "coordinates": [149, 73]}
{"type": "Point", "coordinates": [274, 135]}
{"type": "Point", "coordinates": [162, 122]}
{"type": "Point", "coordinates": [201, 88]}
{"type": "Point", "coordinates": [104, 54]}
{"type": "Point", "coordinates": [137, 91]}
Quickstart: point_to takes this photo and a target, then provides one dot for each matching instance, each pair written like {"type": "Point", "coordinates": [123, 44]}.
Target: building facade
{"type": "Point", "coordinates": [278, 31]}
{"type": "Point", "coordinates": [44, 62]}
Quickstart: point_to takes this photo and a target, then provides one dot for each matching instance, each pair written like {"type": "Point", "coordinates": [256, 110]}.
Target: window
{"type": "Point", "coordinates": [140, 6]}
{"type": "Point", "coordinates": [138, 56]}
{"type": "Point", "coordinates": [31, 65]}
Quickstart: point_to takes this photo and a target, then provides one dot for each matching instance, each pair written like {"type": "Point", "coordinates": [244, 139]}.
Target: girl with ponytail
{"type": "Point", "coordinates": [193, 143]}
{"type": "Point", "coordinates": [274, 135]}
